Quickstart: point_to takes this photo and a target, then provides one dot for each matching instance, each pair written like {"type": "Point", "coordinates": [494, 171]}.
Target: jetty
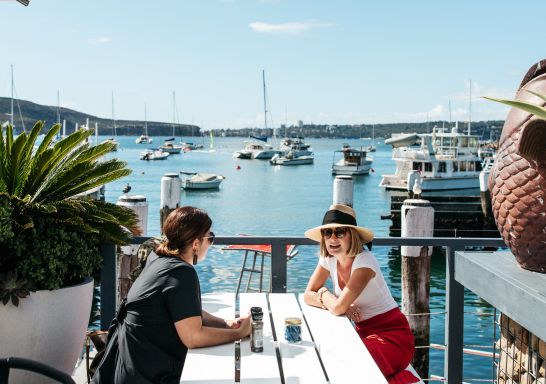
{"type": "Point", "coordinates": [455, 216]}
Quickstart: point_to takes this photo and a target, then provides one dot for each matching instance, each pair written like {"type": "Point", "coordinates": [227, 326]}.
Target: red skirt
{"type": "Point", "coordinates": [389, 339]}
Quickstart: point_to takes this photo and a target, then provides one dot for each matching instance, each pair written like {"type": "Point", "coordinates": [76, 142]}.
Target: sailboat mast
{"type": "Point", "coordinates": [174, 109]}
{"type": "Point", "coordinates": [12, 88]}
{"type": "Point", "coordinates": [113, 114]}
{"type": "Point", "coordinates": [58, 108]}
{"type": "Point", "coordinates": [265, 104]}
{"type": "Point", "coordinates": [145, 121]}
{"type": "Point", "coordinates": [469, 105]}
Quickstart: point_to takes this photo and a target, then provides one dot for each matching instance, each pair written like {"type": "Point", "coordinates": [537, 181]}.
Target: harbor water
{"type": "Point", "coordinates": [259, 199]}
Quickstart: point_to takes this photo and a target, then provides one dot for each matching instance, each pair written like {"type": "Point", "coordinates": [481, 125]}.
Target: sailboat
{"type": "Point", "coordinates": [144, 139]}
{"type": "Point", "coordinates": [11, 122]}
{"type": "Point", "coordinates": [257, 148]}
{"type": "Point", "coordinates": [113, 139]}
{"type": "Point", "coordinates": [372, 147]}
{"type": "Point", "coordinates": [168, 145]}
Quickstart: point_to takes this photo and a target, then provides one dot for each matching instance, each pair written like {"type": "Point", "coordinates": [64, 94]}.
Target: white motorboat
{"type": "Point", "coordinates": [202, 180]}
{"type": "Point", "coordinates": [351, 161]}
{"type": "Point", "coordinates": [153, 154]}
{"type": "Point", "coordinates": [296, 145]}
{"type": "Point", "coordinates": [171, 148]}
{"type": "Point", "coordinates": [445, 160]}
{"type": "Point", "coordinates": [290, 158]}
{"type": "Point", "coordinates": [255, 149]}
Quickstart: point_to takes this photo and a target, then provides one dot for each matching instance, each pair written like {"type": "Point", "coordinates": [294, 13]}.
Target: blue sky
{"type": "Point", "coordinates": [325, 61]}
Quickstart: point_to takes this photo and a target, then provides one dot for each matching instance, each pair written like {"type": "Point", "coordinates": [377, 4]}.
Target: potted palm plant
{"type": "Point", "coordinates": [50, 232]}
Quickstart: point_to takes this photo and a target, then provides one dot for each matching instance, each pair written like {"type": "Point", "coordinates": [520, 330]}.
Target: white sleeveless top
{"type": "Point", "coordinates": [376, 297]}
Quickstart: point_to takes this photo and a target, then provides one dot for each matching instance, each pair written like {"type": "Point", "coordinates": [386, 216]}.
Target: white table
{"type": "Point", "coordinates": [330, 351]}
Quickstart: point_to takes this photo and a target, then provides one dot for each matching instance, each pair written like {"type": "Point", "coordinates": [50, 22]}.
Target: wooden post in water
{"type": "Point", "coordinates": [127, 260]}
{"type": "Point", "coordinates": [343, 190]}
{"type": "Point", "coordinates": [485, 196]}
{"type": "Point", "coordinates": [417, 221]}
{"type": "Point", "coordinates": [170, 195]}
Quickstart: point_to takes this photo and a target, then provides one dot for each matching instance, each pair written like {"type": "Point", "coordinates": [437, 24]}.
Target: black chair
{"type": "Point", "coordinates": [30, 365]}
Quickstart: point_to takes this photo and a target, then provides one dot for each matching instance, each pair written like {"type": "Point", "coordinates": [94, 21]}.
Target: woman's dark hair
{"type": "Point", "coordinates": [181, 228]}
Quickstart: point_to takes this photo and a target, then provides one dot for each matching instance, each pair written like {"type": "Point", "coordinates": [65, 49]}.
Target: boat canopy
{"type": "Point", "coordinates": [403, 140]}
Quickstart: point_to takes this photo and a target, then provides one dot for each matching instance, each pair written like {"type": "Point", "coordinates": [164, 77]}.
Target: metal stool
{"type": "Point", "coordinates": [255, 252]}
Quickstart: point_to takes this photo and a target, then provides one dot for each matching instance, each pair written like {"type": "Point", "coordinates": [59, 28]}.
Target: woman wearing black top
{"type": "Point", "coordinates": [164, 314]}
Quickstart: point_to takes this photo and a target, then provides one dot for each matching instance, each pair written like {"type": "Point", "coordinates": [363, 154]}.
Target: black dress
{"type": "Point", "coordinates": [150, 350]}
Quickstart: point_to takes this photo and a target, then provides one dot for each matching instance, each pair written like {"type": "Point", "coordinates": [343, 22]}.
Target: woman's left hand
{"type": "Point", "coordinates": [235, 323]}
{"type": "Point", "coordinates": [353, 313]}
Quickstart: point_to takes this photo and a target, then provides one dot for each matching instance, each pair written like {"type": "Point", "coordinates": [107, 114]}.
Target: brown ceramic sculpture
{"type": "Point", "coordinates": [518, 179]}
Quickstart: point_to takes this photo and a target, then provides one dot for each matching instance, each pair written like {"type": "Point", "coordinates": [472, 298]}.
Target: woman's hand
{"type": "Point", "coordinates": [244, 326]}
{"type": "Point", "coordinates": [235, 323]}
{"type": "Point", "coordinates": [353, 313]}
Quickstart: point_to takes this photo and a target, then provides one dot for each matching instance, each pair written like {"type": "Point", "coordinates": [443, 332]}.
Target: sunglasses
{"type": "Point", "coordinates": [210, 237]}
{"type": "Point", "coordinates": [339, 232]}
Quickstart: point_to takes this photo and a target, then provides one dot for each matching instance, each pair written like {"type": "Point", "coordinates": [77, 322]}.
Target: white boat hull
{"type": "Point", "coordinates": [263, 155]}
{"type": "Point", "coordinates": [172, 151]}
{"type": "Point", "coordinates": [187, 184]}
{"type": "Point", "coordinates": [302, 160]}
{"type": "Point", "coordinates": [394, 182]}
{"type": "Point", "coordinates": [362, 169]}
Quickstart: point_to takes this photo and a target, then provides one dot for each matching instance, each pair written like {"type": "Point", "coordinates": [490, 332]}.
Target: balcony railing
{"type": "Point", "coordinates": [454, 302]}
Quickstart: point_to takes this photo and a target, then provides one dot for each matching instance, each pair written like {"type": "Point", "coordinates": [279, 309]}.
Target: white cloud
{"type": "Point", "coordinates": [100, 40]}
{"type": "Point", "coordinates": [287, 28]}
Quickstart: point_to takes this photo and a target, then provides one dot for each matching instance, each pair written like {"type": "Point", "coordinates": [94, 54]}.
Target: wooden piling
{"type": "Point", "coordinates": [485, 196]}
{"type": "Point", "coordinates": [170, 196]}
{"type": "Point", "coordinates": [126, 258]}
{"type": "Point", "coordinates": [417, 221]}
{"type": "Point", "coordinates": [343, 190]}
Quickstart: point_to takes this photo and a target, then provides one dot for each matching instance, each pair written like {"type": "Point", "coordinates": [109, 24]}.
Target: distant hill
{"type": "Point", "coordinates": [31, 112]}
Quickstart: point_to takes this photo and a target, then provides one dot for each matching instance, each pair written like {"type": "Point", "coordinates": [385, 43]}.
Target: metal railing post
{"type": "Point", "coordinates": [107, 285]}
{"type": "Point", "coordinates": [454, 323]}
{"type": "Point", "coordinates": [278, 267]}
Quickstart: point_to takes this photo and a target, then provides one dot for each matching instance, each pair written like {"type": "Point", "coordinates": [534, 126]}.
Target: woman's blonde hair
{"type": "Point", "coordinates": [354, 249]}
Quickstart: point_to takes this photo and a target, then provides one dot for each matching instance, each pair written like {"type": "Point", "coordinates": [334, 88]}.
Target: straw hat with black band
{"type": "Point", "coordinates": [339, 215]}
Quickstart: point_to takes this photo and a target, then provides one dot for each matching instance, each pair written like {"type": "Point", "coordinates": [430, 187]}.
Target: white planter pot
{"type": "Point", "coordinates": [47, 326]}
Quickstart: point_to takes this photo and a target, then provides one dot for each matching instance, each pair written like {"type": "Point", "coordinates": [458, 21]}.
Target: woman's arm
{"type": "Point", "coordinates": [356, 284]}
{"type": "Point", "coordinates": [217, 322]}
{"type": "Point", "coordinates": [317, 280]}
{"type": "Point", "coordinates": [195, 334]}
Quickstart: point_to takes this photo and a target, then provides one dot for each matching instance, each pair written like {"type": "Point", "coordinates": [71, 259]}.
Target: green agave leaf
{"type": "Point", "coordinates": [527, 107]}
{"type": "Point", "coordinates": [543, 97]}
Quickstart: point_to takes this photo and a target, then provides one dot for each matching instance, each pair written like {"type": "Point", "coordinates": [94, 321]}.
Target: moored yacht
{"type": "Point", "coordinates": [351, 161]}
{"type": "Point", "coordinates": [254, 149]}
{"type": "Point", "coordinates": [153, 154]}
{"type": "Point", "coordinates": [444, 160]}
{"type": "Point", "coordinates": [296, 145]}
{"type": "Point", "coordinates": [171, 148]}
{"type": "Point", "coordinates": [292, 158]}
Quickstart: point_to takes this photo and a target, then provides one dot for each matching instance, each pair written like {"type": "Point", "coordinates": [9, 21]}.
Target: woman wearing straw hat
{"type": "Point", "coordinates": [360, 291]}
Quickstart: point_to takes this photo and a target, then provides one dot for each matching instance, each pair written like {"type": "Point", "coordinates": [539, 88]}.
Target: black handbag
{"type": "Point", "coordinates": [102, 369]}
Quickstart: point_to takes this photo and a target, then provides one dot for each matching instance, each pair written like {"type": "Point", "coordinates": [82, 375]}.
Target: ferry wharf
{"type": "Point", "coordinates": [517, 294]}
